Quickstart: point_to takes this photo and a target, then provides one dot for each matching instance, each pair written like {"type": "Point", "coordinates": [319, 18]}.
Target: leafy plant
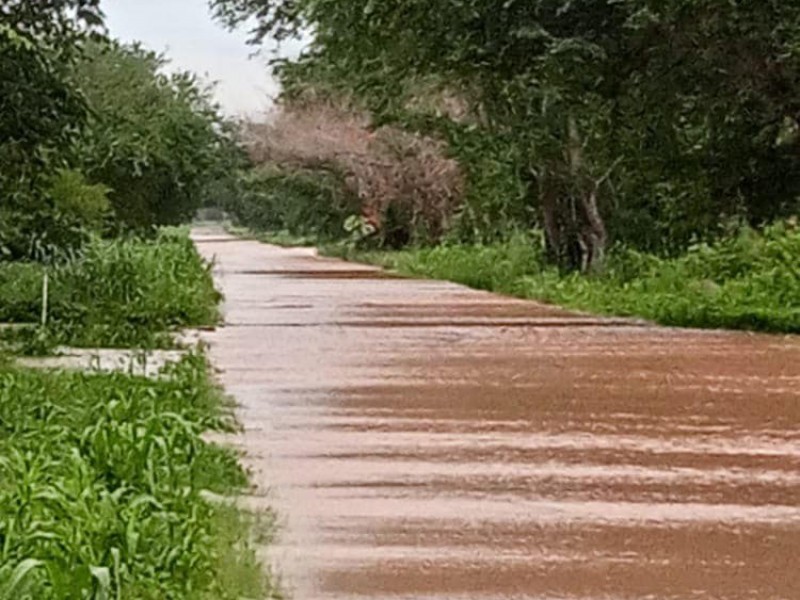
{"type": "Point", "coordinates": [103, 488]}
{"type": "Point", "coordinates": [78, 200]}
{"type": "Point", "coordinates": [116, 293]}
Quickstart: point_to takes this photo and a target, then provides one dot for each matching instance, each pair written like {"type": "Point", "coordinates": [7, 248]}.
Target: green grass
{"type": "Point", "coordinates": [750, 281]}
{"type": "Point", "coordinates": [101, 489]}
{"type": "Point", "coordinates": [119, 293]}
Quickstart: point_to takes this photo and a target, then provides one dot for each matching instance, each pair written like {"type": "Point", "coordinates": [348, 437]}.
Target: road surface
{"type": "Point", "coordinates": [425, 441]}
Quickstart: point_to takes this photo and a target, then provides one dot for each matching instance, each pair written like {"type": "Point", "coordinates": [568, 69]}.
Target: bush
{"type": "Point", "coordinates": [56, 218]}
{"type": "Point", "coordinates": [39, 232]}
{"type": "Point", "coordinates": [78, 200]}
{"type": "Point", "coordinates": [303, 203]}
{"type": "Point", "coordinates": [407, 186]}
{"type": "Point", "coordinates": [20, 291]}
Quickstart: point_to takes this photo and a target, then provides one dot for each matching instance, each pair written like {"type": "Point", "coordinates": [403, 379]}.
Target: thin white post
{"type": "Point", "coordinates": [45, 293]}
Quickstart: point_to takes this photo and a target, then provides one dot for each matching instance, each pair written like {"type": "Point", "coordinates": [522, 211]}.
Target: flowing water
{"type": "Point", "coordinates": [425, 441]}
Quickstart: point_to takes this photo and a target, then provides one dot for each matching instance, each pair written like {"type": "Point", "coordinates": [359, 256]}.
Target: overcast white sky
{"type": "Point", "coordinates": [186, 32]}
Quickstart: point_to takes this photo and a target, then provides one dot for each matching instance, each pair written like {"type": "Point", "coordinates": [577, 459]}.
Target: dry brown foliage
{"type": "Point", "coordinates": [390, 170]}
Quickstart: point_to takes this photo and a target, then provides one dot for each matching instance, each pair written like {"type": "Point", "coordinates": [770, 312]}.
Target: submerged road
{"type": "Point", "coordinates": [421, 440]}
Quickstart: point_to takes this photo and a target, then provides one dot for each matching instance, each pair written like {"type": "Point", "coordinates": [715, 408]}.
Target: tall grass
{"type": "Point", "coordinates": [20, 291]}
{"type": "Point", "coordinates": [749, 281]}
{"type": "Point", "coordinates": [101, 481]}
{"type": "Point", "coordinates": [496, 267]}
{"type": "Point", "coordinates": [116, 293]}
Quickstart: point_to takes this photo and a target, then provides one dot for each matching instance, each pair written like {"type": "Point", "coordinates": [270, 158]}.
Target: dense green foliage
{"type": "Point", "coordinates": [94, 137]}
{"type": "Point", "coordinates": [119, 293]}
{"type": "Point", "coordinates": [748, 281]}
{"type": "Point", "coordinates": [649, 142]}
{"type": "Point", "coordinates": [101, 494]}
{"type": "Point", "coordinates": [156, 141]}
{"type": "Point", "coordinates": [61, 24]}
{"type": "Point", "coordinates": [650, 123]}
{"type": "Point", "coordinates": [311, 204]}
{"type": "Point", "coordinates": [40, 115]}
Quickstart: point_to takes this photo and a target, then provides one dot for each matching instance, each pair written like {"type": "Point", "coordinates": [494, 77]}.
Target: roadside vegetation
{"type": "Point", "coordinates": [95, 138]}
{"type": "Point", "coordinates": [623, 157]}
{"type": "Point", "coordinates": [100, 150]}
{"type": "Point", "coordinates": [748, 281]}
{"type": "Point", "coordinates": [103, 480]}
{"type": "Point", "coordinates": [109, 487]}
{"type": "Point", "coordinates": [120, 293]}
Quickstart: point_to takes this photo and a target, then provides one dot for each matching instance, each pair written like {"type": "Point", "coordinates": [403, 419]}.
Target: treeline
{"type": "Point", "coordinates": [653, 125]}
{"type": "Point", "coordinates": [101, 146]}
{"type": "Point", "coordinates": [95, 137]}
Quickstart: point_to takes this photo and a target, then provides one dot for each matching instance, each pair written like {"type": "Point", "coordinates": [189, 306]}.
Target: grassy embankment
{"type": "Point", "coordinates": [749, 281]}
{"type": "Point", "coordinates": [104, 477]}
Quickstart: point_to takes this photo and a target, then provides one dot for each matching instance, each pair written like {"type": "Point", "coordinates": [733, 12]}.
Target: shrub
{"type": "Point", "coordinates": [302, 202]}
{"type": "Point", "coordinates": [407, 186]}
{"type": "Point", "coordinates": [20, 291]}
{"type": "Point", "coordinates": [78, 200]}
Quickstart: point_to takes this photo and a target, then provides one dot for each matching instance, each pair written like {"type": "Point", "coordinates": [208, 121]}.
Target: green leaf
{"type": "Point", "coordinates": [19, 578]}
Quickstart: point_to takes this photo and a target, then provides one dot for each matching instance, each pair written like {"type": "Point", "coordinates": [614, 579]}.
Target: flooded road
{"type": "Point", "coordinates": [425, 441]}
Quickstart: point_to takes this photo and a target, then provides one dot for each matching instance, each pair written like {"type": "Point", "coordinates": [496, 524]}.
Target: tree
{"type": "Point", "coordinates": [633, 119]}
{"type": "Point", "coordinates": [156, 140]}
{"type": "Point", "coordinates": [60, 23]}
{"type": "Point", "coordinates": [39, 106]}
{"type": "Point", "coordinates": [41, 113]}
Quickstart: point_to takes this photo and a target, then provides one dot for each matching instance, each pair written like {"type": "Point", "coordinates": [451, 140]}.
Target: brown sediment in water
{"type": "Point", "coordinates": [426, 441]}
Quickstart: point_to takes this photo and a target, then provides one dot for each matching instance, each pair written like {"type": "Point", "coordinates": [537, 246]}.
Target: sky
{"type": "Point", "coordinates": [186, 32]}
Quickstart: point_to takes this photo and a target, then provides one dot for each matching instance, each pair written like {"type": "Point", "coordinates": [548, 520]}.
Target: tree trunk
{"type": "Point", "coordinates": [562, 230]}
{"type": "Point", "coordinates": [549, 201]}
{"type": "Point", "coordinates": [595, 234]}
{"type": "Point", "coordinates": [592, 229]}
{"type": "Point", "coordinates": [575, 233]}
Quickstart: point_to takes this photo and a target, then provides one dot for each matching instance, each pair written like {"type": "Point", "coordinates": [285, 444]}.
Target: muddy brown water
{"type": "Point", "coordinates": [485, 447]}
